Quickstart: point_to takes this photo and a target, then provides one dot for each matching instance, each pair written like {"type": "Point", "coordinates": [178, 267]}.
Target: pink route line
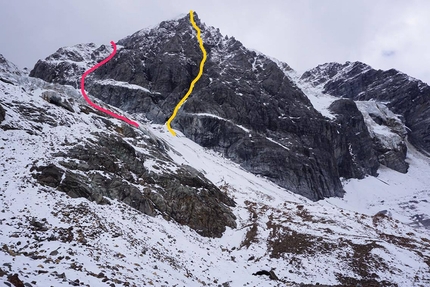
{"type": "Point", "coordinates": [115, 115]}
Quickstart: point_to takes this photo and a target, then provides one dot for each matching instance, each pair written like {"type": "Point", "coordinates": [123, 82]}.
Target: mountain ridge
{"type": "Point", "coordinates": [404, 95]}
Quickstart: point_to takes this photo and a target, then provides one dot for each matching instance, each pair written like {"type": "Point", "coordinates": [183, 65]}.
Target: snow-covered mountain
{"type": "Point", "coordinates": [245, 106]}
{"type": "Point", "coordinates": [88, 200]}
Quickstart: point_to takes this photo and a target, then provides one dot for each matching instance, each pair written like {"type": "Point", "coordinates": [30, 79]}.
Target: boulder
{"type": "Point", "coordinates": [56, 99]}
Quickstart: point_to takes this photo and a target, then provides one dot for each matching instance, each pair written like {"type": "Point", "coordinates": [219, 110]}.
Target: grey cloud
{"type": "Point", "coordinates": [389, 53]}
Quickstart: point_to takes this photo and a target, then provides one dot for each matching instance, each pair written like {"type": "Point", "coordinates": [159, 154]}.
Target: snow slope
{"type": "Point", "coordinates": [319, 100]}
{"type": "Point", "coordinates": [404, 196]}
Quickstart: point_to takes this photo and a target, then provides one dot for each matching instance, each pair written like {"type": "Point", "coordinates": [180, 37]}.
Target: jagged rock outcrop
{"type": "Point", "coordinates": [8, 67]}
{"type": "Point", "coordinates": [354, 151]}
{"type": "Point", "coordinates": [388, 133]}
{"type": "Point", "coordinates": [244, 105]}
{"type": "Point", "coordinates": [67, 65]}
{"type": "Point", "coordinates": [2, 114]}
{"type": "Point", "coordinates": [404, 95]}
{"type": "Point", "coordinates": [109, 167]}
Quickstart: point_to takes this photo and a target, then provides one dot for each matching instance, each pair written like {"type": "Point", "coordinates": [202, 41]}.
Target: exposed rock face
{"type": "Point", "coordinates": [2, 114]}
{"type": "Point", "coordinates": [67, 64]}
{"type": "Point", "coordinates": [404, 95]}
{"type": "Point", "coordinates": [244, 105]}
{"type": "Point", "coordinates": [354, 152]}
{"type": "Point", "coordinates": [110, 167]}
{"type": "Point", "coordinates": [388, 134]}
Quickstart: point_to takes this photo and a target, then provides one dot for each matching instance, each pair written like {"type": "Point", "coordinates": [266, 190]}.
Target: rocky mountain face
{"type": "Point", "coordinates": [354, 148]}
{"type": "Point", "coordinates": [388, 133]}
{"type": "Point", "coordinates": [245, 106]}
{"type": "Point", "coordinates": [402, 94]}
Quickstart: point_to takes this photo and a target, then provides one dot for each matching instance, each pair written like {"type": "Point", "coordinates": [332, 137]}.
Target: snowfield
{"type": "Point", "coordinates": [50, 239]}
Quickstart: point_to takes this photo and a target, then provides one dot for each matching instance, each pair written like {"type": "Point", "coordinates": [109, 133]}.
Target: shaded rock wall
{"type": "Point", "coordinates": [2, 114]}
{"type": "Point", "coordinates": [112, 168]}
{"type": "Point", "coordinates": [354, 151]}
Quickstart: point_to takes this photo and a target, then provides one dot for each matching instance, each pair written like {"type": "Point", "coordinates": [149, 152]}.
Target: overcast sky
{"type": "Point", "coordinates": [303, 33]}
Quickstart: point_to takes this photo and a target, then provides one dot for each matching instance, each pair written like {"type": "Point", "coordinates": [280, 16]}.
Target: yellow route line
{"type": "Point", "coordinates": [202, 63]}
